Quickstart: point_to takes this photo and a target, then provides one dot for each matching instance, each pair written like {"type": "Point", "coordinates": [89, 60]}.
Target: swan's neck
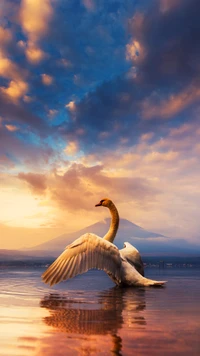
{"type": "Point", "coordinates": [113, 224]}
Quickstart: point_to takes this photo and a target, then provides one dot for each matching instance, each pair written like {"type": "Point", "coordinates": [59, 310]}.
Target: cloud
{"type": "Point", "coordinates": [71, 106]}
{"type": "Point", "coordinates": [71, 148]}
{"type": "Point", "coordinates": [168, 33]}
{"type": "Point", "coordinates": [15, 90]}
{"type": "Point", "coordinates": [168, 107]}
{"type": "Point", "coordinates": [11, 128]}
{"type": "Point", "coordinates": [134, 51]}
{"type": "Point", "coordinates": [169, 5]}
{"type": "Point", "coordinates": [5, 36]}
{"type": "Point", "coordinates": [162, 52]}
{"type": "Point", "coordinates": [16, 86]}
{"type": "Point", "coordinates": [47, 79]}
{"type": "Point", "coordinates": [21, 151]}
{"type": "Point", "coordinates": [36, 181]}
{"type": "Point", "coordinates": [64, 189]}
{"type": "Point", "coordinates": [34, 54]}
{"type": "Point", "coordinates": [35, 21]}
{"type": "Point", "coordinates": [35, 18]}
{"type": "Point", "coordinates": [131, 122]}
{"type": "Point", "coordinates": [13, 113]}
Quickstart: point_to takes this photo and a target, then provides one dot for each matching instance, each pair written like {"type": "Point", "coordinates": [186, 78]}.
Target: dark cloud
{"type": "Point", "coordinates": [165, 84]}
{"type": "Point", "coordinates": [19, 113]}
{"type": "Point", "coordinates": [117, 99]}
{"type": "Point", "coordinates": [169, 38]}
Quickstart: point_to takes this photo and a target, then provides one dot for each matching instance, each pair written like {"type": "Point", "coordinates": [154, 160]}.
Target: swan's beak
{"type": "Point", "coordinates": [99, 204]}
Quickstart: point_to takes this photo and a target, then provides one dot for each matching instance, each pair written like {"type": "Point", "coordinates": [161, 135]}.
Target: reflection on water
{"type": "Point", "coordinates": [103, 316]}
{"type": "Point", "coordinates": [97, 317]}
{"type": "Point", "coordinates": [87, 316]}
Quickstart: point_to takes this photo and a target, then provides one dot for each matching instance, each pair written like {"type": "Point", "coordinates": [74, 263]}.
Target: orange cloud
{"type": "Point", "coordinates": [183, 129]}
{"type": "Point", "coordinates": [5, 36]}
{"type": "Point", "coordinates": [11, 128]}
{"type": "Point", "coordinates": [71, 106]}
{"type": "Point", "coordinates": [34, 54]}
{"type": "Point", "coordinates": [147, 136]}
{"type": "Point", "coordinates": [47, 79]}
{"type": "Point", "coordinates": [135, 51]}
{"type": "Point", "coordinates": [17, 86]}
{"type": "Point", "coordinates": [35, 18]}
{"type": "Point", "coordinates": [170, 106]}
{"type": "Point", "coordinates": [35, 21]}
{"type": "Point", "coordinates": [71, 148]}
{"type": "Point", "coordinates": [15, 90]}
{"type": "Point", "coordinates": [8, 69]}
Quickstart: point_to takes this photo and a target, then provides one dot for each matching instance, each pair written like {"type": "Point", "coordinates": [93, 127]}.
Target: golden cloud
{"type": "Point", "coordinates": [17, 86]}
{"type": "Point", "coordinates": [47, 79]}
{"type": "Point", "coordinates": [15, 90]}
{"type": "Point", "coordinates": [71, 106]}
{"type": "Point", "coordinates": [35, 17]}
{"type": "Point", "coordinates": [8, 69]}
{"type": "Point", "coordinates": [34, 54]}
{"type": "Point", "coordinates": [135, 51]}
{"type": "Point", "coordinates": [35, 21]}
{"type": "Point", "coordinates": [71, 148]}
{"type": "Point", "coordinates": [11, 128]}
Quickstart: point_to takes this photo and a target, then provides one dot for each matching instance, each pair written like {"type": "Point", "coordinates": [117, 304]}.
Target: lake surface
{"type": "Point", "coordinates": [89, 316]}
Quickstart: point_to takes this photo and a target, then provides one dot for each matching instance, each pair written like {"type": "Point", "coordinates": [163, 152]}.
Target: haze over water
{"type": "Point", "coordinates": [88, 315]}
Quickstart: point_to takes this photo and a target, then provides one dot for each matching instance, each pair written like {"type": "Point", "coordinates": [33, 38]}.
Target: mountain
{"type": "Point", "coordinates": [146, 242]}
{"type": "Point", "coordinates": [127, 230]}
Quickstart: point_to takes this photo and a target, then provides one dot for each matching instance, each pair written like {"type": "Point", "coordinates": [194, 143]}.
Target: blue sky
{"type": "Point", "coordinates": [99, 98]}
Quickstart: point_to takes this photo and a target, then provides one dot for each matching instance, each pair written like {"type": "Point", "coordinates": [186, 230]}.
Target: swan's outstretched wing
{"type": "Point", "coordinates": [132, 255]}
{"type": "Point", "coordinates": [87, 252]}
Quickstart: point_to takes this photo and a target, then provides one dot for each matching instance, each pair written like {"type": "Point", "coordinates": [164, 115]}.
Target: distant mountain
{"type": "Point", "coordinates": [146, 242]}
{"type": "Point", "coordinates": [127, 231]}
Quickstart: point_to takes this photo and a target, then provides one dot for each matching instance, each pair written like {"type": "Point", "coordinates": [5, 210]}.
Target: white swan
{"type": "Point", "coordinates": [90, 251]}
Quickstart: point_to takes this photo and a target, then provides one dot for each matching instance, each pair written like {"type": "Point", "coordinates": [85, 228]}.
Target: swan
{"type": "Point", "coordinates": [90, 251]}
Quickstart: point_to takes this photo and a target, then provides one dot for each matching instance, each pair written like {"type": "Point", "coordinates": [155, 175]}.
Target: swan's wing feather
{"type": "Point", "coordinates": [132, 255]}
{"type": "Point", "coordinates": [87, 252]}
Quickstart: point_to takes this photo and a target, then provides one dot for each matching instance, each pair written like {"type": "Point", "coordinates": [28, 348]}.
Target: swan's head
{"type": "Point", "coordinates": [105, 202]}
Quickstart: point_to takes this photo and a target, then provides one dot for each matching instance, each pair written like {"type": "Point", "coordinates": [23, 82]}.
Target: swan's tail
{"type": "Point", "coordinates": [151, 282]}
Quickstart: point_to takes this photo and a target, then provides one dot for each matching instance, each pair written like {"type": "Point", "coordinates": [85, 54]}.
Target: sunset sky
{"type": "Point", "coordinates": [98, 98]}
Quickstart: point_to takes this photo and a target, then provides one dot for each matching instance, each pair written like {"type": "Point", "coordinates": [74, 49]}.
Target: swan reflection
{"type": "Point", "coordinates": [105, 313]}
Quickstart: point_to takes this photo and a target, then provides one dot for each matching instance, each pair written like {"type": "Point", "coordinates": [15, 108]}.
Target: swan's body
{"type": "Point", "coordinates": [90, 251]}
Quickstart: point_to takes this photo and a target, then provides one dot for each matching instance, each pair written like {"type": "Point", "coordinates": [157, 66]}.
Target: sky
{"type": "Point", "coordinates": [98, 98]}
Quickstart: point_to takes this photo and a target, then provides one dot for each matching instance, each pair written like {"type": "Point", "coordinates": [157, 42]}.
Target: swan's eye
{"type": "Point", "coordinates": [102, 201]}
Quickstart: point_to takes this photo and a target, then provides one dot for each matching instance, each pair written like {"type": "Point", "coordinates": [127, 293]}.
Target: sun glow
{"type": "Point", "coordinates": [20, 209]}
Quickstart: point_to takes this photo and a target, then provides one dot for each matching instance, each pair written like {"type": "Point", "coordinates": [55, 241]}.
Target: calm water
{"type": "Point", "coordinates": [89, 316]}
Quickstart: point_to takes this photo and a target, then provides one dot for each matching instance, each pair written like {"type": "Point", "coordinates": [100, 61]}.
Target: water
{"type": "Point", "coordinates": [89, 316]}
